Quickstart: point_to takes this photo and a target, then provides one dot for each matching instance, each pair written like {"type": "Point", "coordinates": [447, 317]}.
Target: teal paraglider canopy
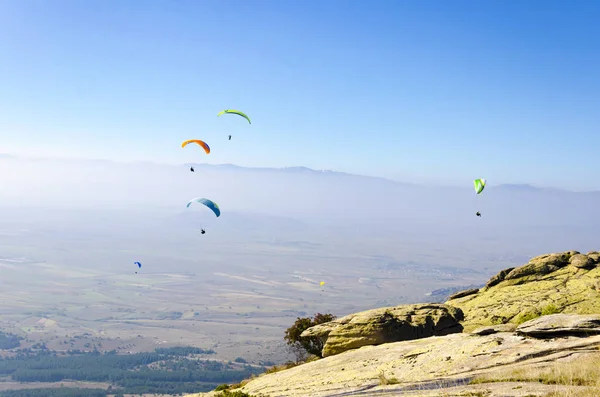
{"type": "Point", "coordinates": [209, 203]}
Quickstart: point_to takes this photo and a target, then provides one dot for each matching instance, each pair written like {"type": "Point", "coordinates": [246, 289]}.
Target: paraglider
{"type": "Point", "coordinates": [139, 265]}
{"type": "Point", "coordinates": [199, 142]}
{"type": "Point", "coordinates": [208, 203]}
{"type": "Point", "coordinates": [479, 185]}
{"type": "Point", "coordinates": [231, 111]}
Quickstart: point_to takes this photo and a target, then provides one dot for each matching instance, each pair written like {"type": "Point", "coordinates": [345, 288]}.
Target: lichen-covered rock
{"type": "Point", "coordinates": [461, 294]}
{"type": "Point", "coordinates": [582, 261]}
{"type": "Point", "coordinates": [385, 325]}
{"type": "Point", "coordinates": [498, 278]}
{"type": "Point", "coordinates": [561, 324]}
{"type": "Point", "coordinates": [494, 329]}
{"type": "Point", "coordinates": [540, 266]}
{"type": "Point", "coordinates": [595, 255]}
{"type": "Point", "coordinates": [567, 282]}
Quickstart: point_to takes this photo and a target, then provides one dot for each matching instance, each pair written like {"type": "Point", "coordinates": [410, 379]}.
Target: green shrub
{"type": "Point", "coordinates": [313, 344]}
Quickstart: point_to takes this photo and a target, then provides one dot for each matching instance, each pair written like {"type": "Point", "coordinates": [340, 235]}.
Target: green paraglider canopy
{"type": "Point", "coordinates": [231, 111]}
{"type": "Point", "coordinates": [479, 185]}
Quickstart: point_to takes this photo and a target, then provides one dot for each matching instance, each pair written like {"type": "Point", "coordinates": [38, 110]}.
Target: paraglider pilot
{"type": "Point", "coordinates": [192, 169]}
{"type": "Point", "coordinates": [478, 213]}
{"type": "Point", "coordinates": [202, 231]}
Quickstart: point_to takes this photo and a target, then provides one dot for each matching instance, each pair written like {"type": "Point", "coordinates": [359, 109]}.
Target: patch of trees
{"type": "Point", "coordinates": [164, 371]}
{"type": "Point", "coordinates": [183, 350]}
{"type": "Point", "coordinates": [9, 341]}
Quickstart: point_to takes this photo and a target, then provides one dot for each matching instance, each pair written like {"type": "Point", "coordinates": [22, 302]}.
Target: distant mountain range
{"type": "Point", "coordinates": [294, 170]}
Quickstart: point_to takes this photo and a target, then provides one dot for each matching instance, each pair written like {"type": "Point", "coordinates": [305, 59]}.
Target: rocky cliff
{"type": "Point", "coordinates": [531, 331]}
{"type": "Point", "coordinates": [567, 282]}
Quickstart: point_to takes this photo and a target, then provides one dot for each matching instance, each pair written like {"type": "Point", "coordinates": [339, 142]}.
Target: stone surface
{"type": "Point", "coordinates": [561, 324]}
{"type": "Point", "coordinates": [424, 364]}
{"type": "Point", "coordinates": [385, 325]}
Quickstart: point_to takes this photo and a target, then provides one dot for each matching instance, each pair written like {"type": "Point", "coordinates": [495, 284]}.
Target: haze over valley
{"type": "Point", "coordinates": [70, 231]}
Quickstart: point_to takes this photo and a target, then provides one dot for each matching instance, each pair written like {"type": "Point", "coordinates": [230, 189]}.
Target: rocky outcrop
{"type": "Point", "coordinates": [385, 325]}
{"type": "Point", "coordinates": [583, 261]}
{"type": "Point", "coordinates": [494, 329]}
{"type": "Point", "coordinates": [498, 278]}
{"type": "Point", "coordinates": [426, 364]}
{"type": "Point", "coordinates": [567, 282]}
{"type": "Point", "coordinates": [464, 293]}
{"type": "Point", "coordinates": [561, 324]}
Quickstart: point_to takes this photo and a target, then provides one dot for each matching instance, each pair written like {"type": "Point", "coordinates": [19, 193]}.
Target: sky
{"type": "Point", "coordinates": [421, 91]}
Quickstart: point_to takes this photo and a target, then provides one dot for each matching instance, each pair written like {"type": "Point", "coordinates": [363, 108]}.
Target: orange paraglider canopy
{"type": "Point", "coordinates": [199, 142]}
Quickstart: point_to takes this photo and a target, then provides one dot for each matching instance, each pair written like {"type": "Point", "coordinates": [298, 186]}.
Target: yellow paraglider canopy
{"type": "Point", "coordinates": [232, 111]}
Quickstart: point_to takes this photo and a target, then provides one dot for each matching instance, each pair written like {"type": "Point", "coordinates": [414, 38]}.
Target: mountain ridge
{"type": "Point", "coordinates": [299, 169]}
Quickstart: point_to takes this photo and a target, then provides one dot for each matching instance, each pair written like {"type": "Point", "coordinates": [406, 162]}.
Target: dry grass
{"type": "Point", "coordinates": [242, 383]}
{"type": "Point", "coordinates": [277, 368]}
{"type": "Point", "coordinates": [582, 371]}
{"type": "Point", "coordinates": [578, 372]}
{"type": "Point", "coordinates": [575, 393]}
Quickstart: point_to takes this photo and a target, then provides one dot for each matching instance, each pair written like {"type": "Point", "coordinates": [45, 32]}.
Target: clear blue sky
{"type": "Point", "coordinates": [441, 91]}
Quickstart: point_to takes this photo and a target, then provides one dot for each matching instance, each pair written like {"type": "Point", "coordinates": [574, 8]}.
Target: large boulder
{"type": "Point", "coordinates": [561, 324]}
{"type": "Point", "coordinates": [583, 261]}
{"type": "Point", "coordinates": [566, 282]}
{"type": "Point", "coordinates": [385, 325]}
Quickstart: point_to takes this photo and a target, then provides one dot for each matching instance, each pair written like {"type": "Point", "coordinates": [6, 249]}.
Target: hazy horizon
{"type": "Point", "coordinates": [293, 167]}
{"type": "Point", "coordinates": [258, 199]}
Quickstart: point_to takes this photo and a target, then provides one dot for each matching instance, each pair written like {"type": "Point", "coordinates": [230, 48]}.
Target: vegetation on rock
{"type": "Point", "coordinates": [236, 393]}
{"type": "Point", "coordinates": [310, 344]}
